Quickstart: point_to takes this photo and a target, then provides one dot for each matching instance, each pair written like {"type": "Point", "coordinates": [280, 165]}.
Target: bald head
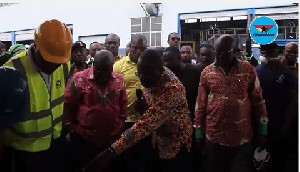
{"type": "Point", "coordinates": [291, 53]}
{"type": "Point", "coordinates": [291, 45]}
{"type": "Point", "coordinates": [225, 42]}
{"type": "Point", "coordinates": [103, 66]}
{"type": "Point", "coordinates": [104, 56]}
{"type": "Point", "coordinates": [223, 47]}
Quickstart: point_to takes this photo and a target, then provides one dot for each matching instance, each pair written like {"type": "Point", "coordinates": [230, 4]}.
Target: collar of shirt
{"type": "Point", "coordinates": [284, 62]}
{"type": "Point", "coordinates": [33, 65]}
{"type": "Point", "coordinates": [236, 63]}
{"type": "Point", "coordinates": [75, 67]}
{"type": "Point", "coordinates": [47, 78]}
{"type": "Point", "coordinates": [29, 53]}
{"type": "Point", "coordinates": [91, 74]}
{"type": "Point", "coordinates": [127, 58]}
{"type": "Point", "coordinates": [118, 57]}
{"type": "Point", "coordinates": [166, 77]}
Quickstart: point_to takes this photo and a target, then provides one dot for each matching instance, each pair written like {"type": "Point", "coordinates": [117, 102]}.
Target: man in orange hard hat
{"type": "Point", "coordinates": [34, 144]}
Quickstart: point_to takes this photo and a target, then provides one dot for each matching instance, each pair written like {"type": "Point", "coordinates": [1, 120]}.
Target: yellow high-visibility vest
{"type": "Point", "coordinates": [43, 119]}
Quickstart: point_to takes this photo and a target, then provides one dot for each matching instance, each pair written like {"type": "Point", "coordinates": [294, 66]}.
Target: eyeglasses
{"type": "Point", "coordinates": [222, 53]}
{"type": "Point", "coordinates": [174, 38]}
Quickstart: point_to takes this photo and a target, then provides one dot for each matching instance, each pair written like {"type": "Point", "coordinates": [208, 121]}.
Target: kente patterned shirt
{"type": "Point", "coordinates": [227, 104]}
{"type": "Point", "coordinates": [167, 118]}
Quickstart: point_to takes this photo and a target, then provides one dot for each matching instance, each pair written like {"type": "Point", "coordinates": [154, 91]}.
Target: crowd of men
{"type": "Point", "coordinates": [71, 109]}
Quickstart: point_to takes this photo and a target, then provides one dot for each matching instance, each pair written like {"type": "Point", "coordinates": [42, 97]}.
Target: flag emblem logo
{"type": "Point", "coordinates": [263, 30]}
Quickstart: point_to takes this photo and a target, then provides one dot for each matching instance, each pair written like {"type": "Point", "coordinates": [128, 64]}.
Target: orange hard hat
{"type": "Point", "coordinates": [54, 40]}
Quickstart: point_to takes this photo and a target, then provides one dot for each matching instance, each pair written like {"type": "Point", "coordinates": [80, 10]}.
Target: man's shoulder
{"type": "Point", "coordinates": [209, 68]}
{"type": "Point", "coordinates": [122, 61]}
{"type": "Point", "coordinates": [191, 71]}
{"type": "Point", "coordinates": [84, 74]}
{"type": "Point", "coordinates": [191, 67]}
{"type": "Point", "coordinates": [246, 66]}
{"type": "Point", "coordinates": [120, 64]}
{"type": "Point", "coordinates": [173, 82]}
{"type": "Point", "coordinates": [117, 76]}
{"type": "Point", "coordinates": [284, 69]}
{"type": "Point", "coordinates": [245, 63]}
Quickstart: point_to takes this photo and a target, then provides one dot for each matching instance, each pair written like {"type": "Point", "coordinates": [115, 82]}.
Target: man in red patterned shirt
{"type": "Point", "coordinates": [229, 109]}
{"type": "Point", "coordinates": [166, 118]}
{"type": "Point", "coordinates": [95, 109]}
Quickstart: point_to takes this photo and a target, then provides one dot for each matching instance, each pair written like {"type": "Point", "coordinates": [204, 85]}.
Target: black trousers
{"type": "Point", "coordinates": [49, 160]}
{"type": "Point", "coordinates": [81, 152]}
{"type": "Point", "coordinates": [182, 163]}
{"type": "Point", "coordinates": [143, 157]}
{"type": "Point", "coordinates": [229, 159]}
{"type": "Point", "coordinates": [283, 155]}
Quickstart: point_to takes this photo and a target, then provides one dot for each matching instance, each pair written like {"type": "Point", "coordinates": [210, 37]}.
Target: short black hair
{"type": "Point", "coordinates": [174, 52]}
{"type": "Point", "coordinates": [152, 57]}
{"type": "Point", "coordinates": [271, 46]}
{"type": "Point", "coordinates": [94, 43]}
{"type": "Point", "coordinates": [78, 44]}
{"type": "Point", "coordinates": [206, 46]}
{"type": "Point", "coordinates": [169, 36]}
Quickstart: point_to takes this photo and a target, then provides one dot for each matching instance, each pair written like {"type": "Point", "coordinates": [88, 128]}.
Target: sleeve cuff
{"type": "Point", "coordinates": [198, 134]}
{"type": "Point", "coordinates": [114, 146]}
{"type": "Point", "coordinates": [263, 129]}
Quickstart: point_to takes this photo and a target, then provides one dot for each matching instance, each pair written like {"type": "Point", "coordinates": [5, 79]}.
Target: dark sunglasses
{"type": "Point", "coordinates": [174, 38]}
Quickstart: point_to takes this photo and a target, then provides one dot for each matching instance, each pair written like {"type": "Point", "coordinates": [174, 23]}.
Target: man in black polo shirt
{"type": "Point", "coordinates": [279, 87]}
{"type": "Point", "coordinates": [186, 73]}
{"type": "Point", "coordinates": [189, 76]}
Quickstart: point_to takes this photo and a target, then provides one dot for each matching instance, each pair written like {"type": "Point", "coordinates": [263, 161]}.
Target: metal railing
{"type": "Point", "coordinates": [284, 32]}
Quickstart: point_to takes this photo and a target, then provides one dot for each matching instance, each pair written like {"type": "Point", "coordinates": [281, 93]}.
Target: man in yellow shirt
{"type": "Point", "coordinates": [127, 67]}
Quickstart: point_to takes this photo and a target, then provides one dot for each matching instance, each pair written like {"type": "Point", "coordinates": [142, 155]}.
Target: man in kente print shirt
{"type": "Point", "coordinates": [166, 117]}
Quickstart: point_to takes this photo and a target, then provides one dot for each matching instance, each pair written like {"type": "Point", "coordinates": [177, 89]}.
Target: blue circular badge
{"type": "Point", "coordinates": [263, 30]}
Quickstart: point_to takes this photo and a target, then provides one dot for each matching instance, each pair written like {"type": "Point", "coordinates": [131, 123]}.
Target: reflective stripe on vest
{"type": "Point", "coordinates": [249, 58]}
{"type": "Point", "coordinates": [66, 72]}
{"type": "Point", "coordinates": [259, 62]}
{"type": "Point", "coordinates": [43, 119]}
